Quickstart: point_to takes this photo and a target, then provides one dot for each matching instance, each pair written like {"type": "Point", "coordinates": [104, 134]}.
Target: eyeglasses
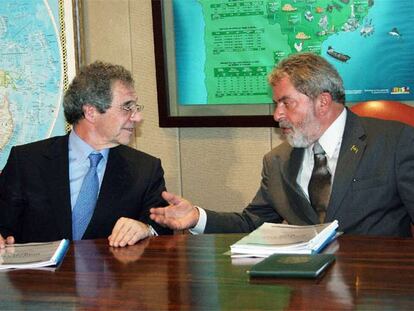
{"type": "Point", "coordinates": [132, 109]}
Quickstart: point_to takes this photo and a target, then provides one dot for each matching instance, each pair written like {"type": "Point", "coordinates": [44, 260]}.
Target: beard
{"type": "Point", "coordinates": [304, 133]}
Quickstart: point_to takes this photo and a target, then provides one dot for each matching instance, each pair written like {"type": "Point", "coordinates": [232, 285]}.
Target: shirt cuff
{"type": "Point", "coordinates": [202, 221]}
{"type": "Point", "coordinates": [152, 231]}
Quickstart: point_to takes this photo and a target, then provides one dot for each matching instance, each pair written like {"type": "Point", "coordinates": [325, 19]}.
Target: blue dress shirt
{"type": "Point", "coordinates": [79, 151]}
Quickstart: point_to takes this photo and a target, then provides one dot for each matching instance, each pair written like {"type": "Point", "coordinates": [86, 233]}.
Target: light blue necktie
{"type": "Point", "coordinates": [88, 194]}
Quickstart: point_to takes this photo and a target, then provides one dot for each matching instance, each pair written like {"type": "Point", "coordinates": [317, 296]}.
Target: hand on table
{"type": "Point", "coordinates": [4, 241]}
{"type": "Point", "coordinates": [128, 231]}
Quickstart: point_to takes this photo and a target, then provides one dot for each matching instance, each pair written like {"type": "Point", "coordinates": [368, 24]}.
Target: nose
{"type": "Point", "coordinates": [136, 117]}
{"type": "Point", "coordinates": [279, 112]}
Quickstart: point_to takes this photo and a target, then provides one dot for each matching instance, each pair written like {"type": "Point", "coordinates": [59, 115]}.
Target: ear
{"type": "Point", "coordinates": [89, 112]}
{"type": "Point", "coordinates": [323, 103]}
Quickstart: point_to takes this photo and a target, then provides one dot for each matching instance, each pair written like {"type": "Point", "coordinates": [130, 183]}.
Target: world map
{"type": "Point", "coordinates": [31, 73]}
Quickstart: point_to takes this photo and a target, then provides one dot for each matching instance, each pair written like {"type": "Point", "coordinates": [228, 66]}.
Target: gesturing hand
{"type": "Point", "coordinates": [179, 215]}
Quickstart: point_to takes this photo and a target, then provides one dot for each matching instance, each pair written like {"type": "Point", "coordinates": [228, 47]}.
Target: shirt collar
{"type": "Point", "coordinates": [81, 149]}
{"type": "Point", "coordinates": [333, 135]}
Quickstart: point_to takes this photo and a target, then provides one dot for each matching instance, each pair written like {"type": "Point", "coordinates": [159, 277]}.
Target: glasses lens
{"type": "Point", "coordinates": [132, 109]}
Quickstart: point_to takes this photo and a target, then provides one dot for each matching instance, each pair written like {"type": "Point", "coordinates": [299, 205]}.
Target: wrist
{"type": "Point", "coordinates": [201, 221]}
{"type": "Point", "coordinates": [196, 218]}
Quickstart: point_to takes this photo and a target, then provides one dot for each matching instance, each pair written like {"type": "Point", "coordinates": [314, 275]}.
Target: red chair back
{"type": "Point", "coordinates": [383, 109]}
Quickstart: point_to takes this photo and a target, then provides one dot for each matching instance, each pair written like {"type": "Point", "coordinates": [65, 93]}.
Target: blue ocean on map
{"type": "Point", "coordinates": [191, 57]}
{"type": "Point", "coordinates": [381, 61]}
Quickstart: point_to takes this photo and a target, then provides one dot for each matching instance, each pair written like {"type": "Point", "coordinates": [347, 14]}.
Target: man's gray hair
{"type": "Point", "coordinates": [311, 75]}
{"type": "Point", "coordinates": [93, 86]}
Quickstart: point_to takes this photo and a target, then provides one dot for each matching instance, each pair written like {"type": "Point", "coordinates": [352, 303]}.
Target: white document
{"type": "Point", "coordinates": [33, 255]}
{"type": "Point", "coordinates": [272, 238]}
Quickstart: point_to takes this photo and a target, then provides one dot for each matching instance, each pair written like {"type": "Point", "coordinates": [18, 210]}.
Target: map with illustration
{"type": "Point", "coordinates": [31, 73]}
{"type": "Point", "coordinates": [225, 48]}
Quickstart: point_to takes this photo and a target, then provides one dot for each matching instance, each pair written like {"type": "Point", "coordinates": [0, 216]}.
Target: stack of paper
{"type": "Point", "coordinates": [33, 255]}
{"type": "Point", "coordinates": [272, 238]}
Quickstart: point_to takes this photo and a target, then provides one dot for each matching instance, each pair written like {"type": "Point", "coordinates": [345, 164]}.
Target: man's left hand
{"type": "Point", "coordinates": [128, 231]}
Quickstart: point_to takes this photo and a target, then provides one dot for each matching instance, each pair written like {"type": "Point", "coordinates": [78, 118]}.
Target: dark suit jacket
{"type": "Point", "coordinates": [372, 191]}
{"type": "Point", "coordinates": [35, 191]}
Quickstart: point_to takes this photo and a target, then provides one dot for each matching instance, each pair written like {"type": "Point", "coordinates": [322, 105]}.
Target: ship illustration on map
{"type": "Point", "coordinates": [339, 56]}
{"type": "Point", "coordinates": [394, 33]}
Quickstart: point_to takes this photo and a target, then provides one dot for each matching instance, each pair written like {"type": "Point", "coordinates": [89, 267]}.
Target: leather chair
{"type": "Point", "coordinates": [388, 110]}
{"type": "Point", "coordinates": [383, 109]}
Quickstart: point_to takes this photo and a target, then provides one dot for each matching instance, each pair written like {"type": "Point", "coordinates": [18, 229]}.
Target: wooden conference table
{"type": "Point", "coordinates": [185, 272]}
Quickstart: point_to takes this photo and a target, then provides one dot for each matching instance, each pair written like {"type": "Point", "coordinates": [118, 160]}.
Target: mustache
{"type": "Point", "coordinates": [285, 124]}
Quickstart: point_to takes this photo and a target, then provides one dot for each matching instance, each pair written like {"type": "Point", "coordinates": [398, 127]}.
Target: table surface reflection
{"type": "Point", "coordinates": [185, 272]}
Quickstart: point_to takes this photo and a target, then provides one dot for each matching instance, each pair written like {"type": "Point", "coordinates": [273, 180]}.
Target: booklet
{"type": "Point", "coordinates": [272, 238]}
{"type": "Point", "coordinates": [295, 266]}
{"type": "Point", "coordinates": [33, 255]}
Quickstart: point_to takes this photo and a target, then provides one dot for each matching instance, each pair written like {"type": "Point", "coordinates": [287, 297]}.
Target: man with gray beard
{"type": "Point", "coordinates": [333, 165]}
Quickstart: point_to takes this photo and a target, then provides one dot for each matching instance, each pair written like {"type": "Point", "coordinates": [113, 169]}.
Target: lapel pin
{"type": "Point", "coordinates": [354, 149]}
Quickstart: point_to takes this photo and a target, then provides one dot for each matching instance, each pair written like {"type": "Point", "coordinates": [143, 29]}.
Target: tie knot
{"type": "Point", "coordinates": [317, 149]}
{"type": "Point", "coordinates": [94, 159]}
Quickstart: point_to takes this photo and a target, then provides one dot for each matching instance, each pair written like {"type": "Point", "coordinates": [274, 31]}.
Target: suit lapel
{"type": "Point", "coordinates": [57, 181]}
{"type": "Point", "coordinates": [351, 152]}
{"type": "Point", "coordinates": [298, 201]}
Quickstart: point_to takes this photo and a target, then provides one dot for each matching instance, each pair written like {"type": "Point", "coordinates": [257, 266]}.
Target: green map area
{"type": "Point", "coordinates": [244, 39]}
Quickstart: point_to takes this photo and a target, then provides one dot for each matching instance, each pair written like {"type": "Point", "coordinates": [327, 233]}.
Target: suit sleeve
{"type": "Point", "coordinates": [260, 210]}
{"type": "Point", "coordinates": [405, 169]}
{"type": "Point", "coordinates": [11, 199]}
{"type": "Point", "coordinates": [152, 197]}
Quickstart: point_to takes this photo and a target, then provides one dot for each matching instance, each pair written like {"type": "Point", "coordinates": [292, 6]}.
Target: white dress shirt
{"type": "Point", "coordinates": [330, 141]}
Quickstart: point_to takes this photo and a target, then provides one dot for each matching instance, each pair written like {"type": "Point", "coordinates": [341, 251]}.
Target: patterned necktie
{"type": "Point", "coordinates": [88, 194]}
{"type": "Point", "coordinates": [320, 183]}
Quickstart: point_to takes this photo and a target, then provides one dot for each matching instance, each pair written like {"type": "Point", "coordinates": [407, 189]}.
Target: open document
{"type": "Point", "coordinates": [272, 238]}
{"type": "Point", "coordinates": [33, 255]}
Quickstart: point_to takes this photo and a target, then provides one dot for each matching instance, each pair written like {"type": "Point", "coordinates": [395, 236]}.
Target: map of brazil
{"type": "Point", "coordinates": [225, 49]}
{"type": "Point", "coordinates": [31, 73]}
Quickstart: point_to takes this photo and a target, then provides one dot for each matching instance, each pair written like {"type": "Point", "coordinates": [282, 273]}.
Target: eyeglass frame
{"type": "Point", "coordinates": [132, 108]}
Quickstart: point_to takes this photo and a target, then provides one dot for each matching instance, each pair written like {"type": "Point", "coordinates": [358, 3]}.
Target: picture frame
{"type": "Point", "coordinates": [72, 35]}
{"type": "Point", "coordinates": [78, 33]}
{"type": "Point", "coordinates": [206, 51]}
{"type": "Point", "coordinates": [173, 115]}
